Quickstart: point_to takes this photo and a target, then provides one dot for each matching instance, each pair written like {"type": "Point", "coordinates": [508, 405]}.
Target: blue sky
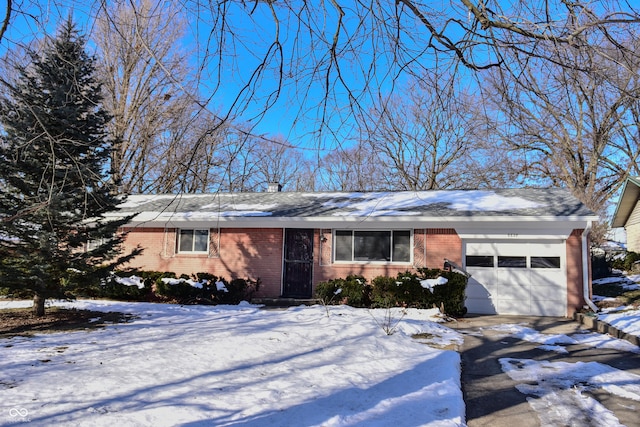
{"type": "Point", "coordinates": [296, 114]}
{"type": "Point", "coordinates": [299, 107]}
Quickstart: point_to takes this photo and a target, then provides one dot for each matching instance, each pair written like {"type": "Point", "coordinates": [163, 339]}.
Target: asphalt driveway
{"type": "Point", "coordinates": [490, 394]}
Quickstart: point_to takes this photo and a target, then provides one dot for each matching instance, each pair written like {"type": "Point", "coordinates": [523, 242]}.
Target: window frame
{"type": "Point", "coordinates": [353, 242]}
{"type": "Point", "coordinates": [193, 240]}
{"type": "Point", "coordinates": [480, 261]}
{"type": "Point", "coordinates": [513, 261]}
{"type": "Point", "coordinates": [535, 262]}
{"type": "Point", "coordinates": [543, 262]}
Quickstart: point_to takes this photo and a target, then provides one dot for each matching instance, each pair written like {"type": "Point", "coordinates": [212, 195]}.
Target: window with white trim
{"type": "Point", "coordinates": [372, 246]}
{"type": "Point", "coordinates": [192, 240]}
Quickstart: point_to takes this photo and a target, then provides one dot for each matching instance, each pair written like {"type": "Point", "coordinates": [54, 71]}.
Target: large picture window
{"type": "Point", "coordinates": [370, 245]}
{"type": "Point", "coordinates": [193, 240]}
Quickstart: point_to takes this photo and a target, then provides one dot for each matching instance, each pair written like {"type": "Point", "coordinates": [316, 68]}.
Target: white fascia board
{"type": "Point", "coordinates": [522, 230]}
{"type": "Point", "coordinates": [474, 225]}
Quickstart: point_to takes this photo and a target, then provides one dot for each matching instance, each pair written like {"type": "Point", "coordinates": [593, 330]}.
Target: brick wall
{"type": "Point", "coordinates": [575, 299]}
{"type": "Point", "coordinates": [431, 247]}
{"type": "Point", "coordinates": [442, 243]}
{"type": "Point", "coordinates": [241, 253]}
{"type": "Point", "coordinates": [256, 252]}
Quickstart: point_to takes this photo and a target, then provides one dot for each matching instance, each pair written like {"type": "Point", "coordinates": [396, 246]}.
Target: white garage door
{"type": "Point", "coordinates": [526, 278]}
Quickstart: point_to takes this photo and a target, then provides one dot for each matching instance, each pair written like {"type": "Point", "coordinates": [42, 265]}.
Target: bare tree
{"type": "Point", "coordinates": [338, 56]}
{"type": "Point", "coordinates": [330, 62]}
{"type": "Point", "coordinates": [190, 159]}
{"type": "Point", "coordinates": [355, 168]}
{"type": "Point", "coordinates": [342, 52]}
{"type": "Point", "coordinates": [250, 163]}
{"type": "Point", "coordinates": [147, 90]}
{"type": "Point", "coordinates": [423, 135]}
{"type": "Point", "coordinates": [277, 161]}
{"type": "Point", "coordinates": [575, 127]}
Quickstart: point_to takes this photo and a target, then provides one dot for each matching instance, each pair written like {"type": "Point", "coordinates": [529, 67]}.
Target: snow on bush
{"type": "Point", "coordinates": [130, 281]}
{"type": "Point", "coordinates": [430, 283]}
{"type": "Point", "coordinates": [199, 284]}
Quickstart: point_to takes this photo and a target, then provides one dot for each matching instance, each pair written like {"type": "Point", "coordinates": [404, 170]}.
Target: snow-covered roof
{"type": "Point", "coordinates": [373, 207]}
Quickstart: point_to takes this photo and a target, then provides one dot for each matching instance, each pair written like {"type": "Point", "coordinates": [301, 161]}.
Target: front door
{"type": "Point", "coordinates": [298, 263]}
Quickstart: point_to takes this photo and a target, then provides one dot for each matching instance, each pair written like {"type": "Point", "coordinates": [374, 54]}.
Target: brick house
{"type": "Point", "coordinates": [527, 250]}
{"type": "Point", "coordinates": [627, 213]}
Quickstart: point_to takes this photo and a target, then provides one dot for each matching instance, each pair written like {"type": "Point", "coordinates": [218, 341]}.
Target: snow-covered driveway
{"type": "Point", "coordinates": [234, 365]}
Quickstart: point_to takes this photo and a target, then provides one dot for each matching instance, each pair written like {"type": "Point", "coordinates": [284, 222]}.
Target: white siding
{"type": "Point", "coordinates": [633, 229]}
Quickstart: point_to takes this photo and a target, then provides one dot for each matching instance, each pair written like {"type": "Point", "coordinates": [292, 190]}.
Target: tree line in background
{"type": "Point", "coordinates": [470, 94]}
{"type": "Point", "coordinates": [396, 96]}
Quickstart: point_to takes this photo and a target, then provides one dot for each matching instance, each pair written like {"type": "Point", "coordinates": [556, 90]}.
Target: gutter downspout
{"type": "Point", "coordinates": [585, 267]}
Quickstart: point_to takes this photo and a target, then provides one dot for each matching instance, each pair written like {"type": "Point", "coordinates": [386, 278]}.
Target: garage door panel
{"type": "Point", "coordinates": [533, 288]}
{"type": "Point", "coordinates": [513, 306]}
{"type": "Point", "coordinates": [518, 291]}
{"type": "Point", "coordinates": [513, 275]}
{"type": "Point", "coordinates": [555, 248]}
{"type": "Point", "coordinates": [481, 282]}
{"type": "Point", "coordinates": [540, 278]}
{"type": "Point", "coordinates": [544, 308]}
{"type": "Point", "coordinates": [480, 306]}
{"type": "Point", "coordinates": [548, 292]}
{"type": "Point", "coordinates": [478, 290]}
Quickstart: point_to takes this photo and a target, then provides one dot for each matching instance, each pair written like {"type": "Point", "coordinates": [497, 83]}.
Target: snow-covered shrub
{"type": "Point", "coordinates": [600, 264]}
{"type": "Point", "coordinates": [239, 290]}
{"type": "Point", "coordinates": [424, 288]}
{"type": "Point", "coordinates": [206, 288]}
{"type": "Point", "coordinates": [450, 295]}
{"type": "Point", "coordinates": [626, 263]}
{"type": "Point", "coordinates": [354, 291]}
{"type": "Point", "coordinates": [130, 286]}
{"type": "Point", "coordinates": [404, 290]}
{"type": "Point", "coordinates": [187, 290]}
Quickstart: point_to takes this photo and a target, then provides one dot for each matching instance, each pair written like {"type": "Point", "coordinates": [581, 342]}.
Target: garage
{"type": "Point", "coordinates": [525, 277]}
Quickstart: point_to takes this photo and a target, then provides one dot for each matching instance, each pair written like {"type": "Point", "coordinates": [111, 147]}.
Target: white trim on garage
{"type": "Point", "coordinates": [522, 277]}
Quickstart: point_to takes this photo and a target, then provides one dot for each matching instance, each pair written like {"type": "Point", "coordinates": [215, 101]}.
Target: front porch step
{"type": "Point", "coordinates": [284, 302]}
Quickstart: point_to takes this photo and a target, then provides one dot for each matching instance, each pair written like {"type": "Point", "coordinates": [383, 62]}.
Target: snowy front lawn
{"type": "Point", "coordinates": [624, 318]}
{"type": "Point", "coordinates": [235, 365]}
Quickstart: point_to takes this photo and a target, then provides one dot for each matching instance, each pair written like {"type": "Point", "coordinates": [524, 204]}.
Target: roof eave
{"type": "Point", "coordinates": [416, 221]}
{"type": "Point", "coordinates": [626, 203]}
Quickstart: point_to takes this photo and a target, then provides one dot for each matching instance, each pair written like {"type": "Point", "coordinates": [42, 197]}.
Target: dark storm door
{"type": "Point", "coordinates": [298, 263]}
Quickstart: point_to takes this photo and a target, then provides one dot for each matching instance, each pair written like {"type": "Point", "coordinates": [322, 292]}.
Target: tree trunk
{"type": "Point", "coordinates": [38, 305]}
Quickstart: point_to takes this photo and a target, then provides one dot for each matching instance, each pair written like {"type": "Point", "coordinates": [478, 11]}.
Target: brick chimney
{"type": "Point", "coordinates": [274, 187]}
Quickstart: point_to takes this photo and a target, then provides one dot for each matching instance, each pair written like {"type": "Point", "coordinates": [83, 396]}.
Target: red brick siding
{"type": "Point", "coordinates": [431, 247]}
{"type": "Point", "coordinates": [326, 239]}
{"type": "Point", "coordinates": [443, 243]}
{"type": "Point", "coordinates": [575, 298]}
{"type": "Point", "coordinates": [419, 248]}
{"type": "Point", "coordinates": [257, 253]}
{"type": "Point", "coordinates": [244, 253]}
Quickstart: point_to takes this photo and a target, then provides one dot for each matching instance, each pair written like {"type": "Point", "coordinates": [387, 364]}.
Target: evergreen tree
{"type": "Point", "coordinates": [55, 182]}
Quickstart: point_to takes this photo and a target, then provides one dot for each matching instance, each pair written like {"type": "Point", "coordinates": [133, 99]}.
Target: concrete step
{"type": "Point", "coordinates": [284, 302]}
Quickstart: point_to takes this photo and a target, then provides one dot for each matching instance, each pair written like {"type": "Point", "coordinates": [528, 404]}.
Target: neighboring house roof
{"type": "Point", "coordinates": [628, 199]}
{"type": "Point", "coordinates": [230, 209]}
